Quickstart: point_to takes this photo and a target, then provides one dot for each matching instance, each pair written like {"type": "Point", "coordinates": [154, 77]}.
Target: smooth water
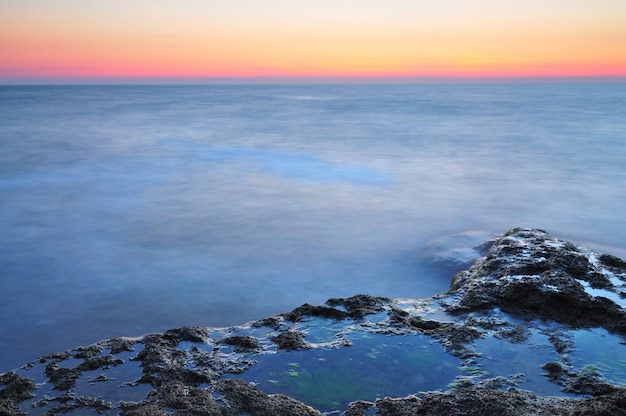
{"type": "Point", "coordinates": [126, 210]}
{"type": "Point", "coordinates": [374, 367]}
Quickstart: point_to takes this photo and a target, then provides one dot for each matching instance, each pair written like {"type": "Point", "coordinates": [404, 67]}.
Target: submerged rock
{"type": "Point", "coordinates": [511, 337]}
{"type": "Point", "coordinates": [458, 251]}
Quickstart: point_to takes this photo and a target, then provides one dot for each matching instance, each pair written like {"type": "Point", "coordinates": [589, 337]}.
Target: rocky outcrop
{"type": "Point", "coordinates": [481, 401]}
{"type": "Point", "coordinates": [510, 338]}
{"type": "Point", "coordinates": [532, 274]}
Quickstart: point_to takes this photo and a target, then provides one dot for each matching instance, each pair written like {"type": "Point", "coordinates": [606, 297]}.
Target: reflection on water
{"type": "Point", "coordinates": [127, 210]}
{"type": "Point", "coordinates": [602, 351]}
{"type": "Point", "coordinates": [501, 357]}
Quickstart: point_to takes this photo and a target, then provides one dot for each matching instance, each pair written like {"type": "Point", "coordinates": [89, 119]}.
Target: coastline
{"type": "Point", "coordinates": [513, 335]}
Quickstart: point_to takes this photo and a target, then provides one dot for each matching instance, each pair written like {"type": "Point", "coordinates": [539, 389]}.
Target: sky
{"type": "Point", "coordinates": [178, 39]}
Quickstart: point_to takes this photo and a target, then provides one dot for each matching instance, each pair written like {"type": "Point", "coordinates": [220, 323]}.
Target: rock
{"type": "Point", "coordinates": [355, 307]}
{"type": "Point", "coordinates": [15, 389]}
{"type": "Point", "coordinates": [242, 342]}
{"type": "Point", "coordinates": [612, 261]}
{"type": "Point", "coordinates": [243, 398]}
{"type": "Point", "coordinates": [527, 288]}
{"type": "Point", "coordinates": [554, 370]}
{"type": "Point", "coordinates": [613, 404]}
{"type": "Point", "coordinates": [360, 305]}
{"type": "Point", "coordinates": [517, 335]}
{"type": "Point", "coordinates": [589, 381]}
{"type": "Point", "coordinates": [310, 310]}
{"type": "Point", "coordinates": [478, 401]}
{"type": "Point", "coordinates": [290, 340]}
{"type": "Point", "coordinates": [187, 333]}
{"type": "Point", "coordinates": [530, 273]}
{"type": "Point", "coordinates": [179, 399]}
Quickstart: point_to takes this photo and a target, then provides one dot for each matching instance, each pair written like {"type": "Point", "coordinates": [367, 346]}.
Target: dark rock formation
{"type": "Point", "coordinates": [532, 274]}
{"type": "Point", "coordinates": [479, 401]}
{"type": "Point", "coordinates": [225, 398]}
{"type": "Point", "coordinates": [242, 342]}
{"type": "Point", "coordinates": [290, 340]}
{"type": "Point", "coordinates": [15, 389]}
{"type": "Point", "coordinates": [510, 323]}
{"type": "Point", "coordinates": [355, 307]}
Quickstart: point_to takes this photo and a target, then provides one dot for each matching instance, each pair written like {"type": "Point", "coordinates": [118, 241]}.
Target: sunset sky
{"type": "Point", "coordinates": [112, 39]}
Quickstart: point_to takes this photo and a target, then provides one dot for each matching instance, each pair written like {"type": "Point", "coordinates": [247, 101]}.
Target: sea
{"type": "Point", "coordinates": [126, 210]}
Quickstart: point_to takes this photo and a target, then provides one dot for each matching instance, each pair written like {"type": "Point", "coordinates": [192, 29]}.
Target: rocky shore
{"type": "Point", "coordinates": [536, 325]}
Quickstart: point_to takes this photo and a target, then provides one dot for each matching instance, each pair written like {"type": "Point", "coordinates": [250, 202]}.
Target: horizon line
{"type": "Point", "coordinates": [285, 80]}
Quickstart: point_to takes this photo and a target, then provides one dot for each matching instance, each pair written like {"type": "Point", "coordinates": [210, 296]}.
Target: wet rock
{"type": "Point", "coordinates": [187, 333]}
{"type": "Point", "coordinates": [426, 325]}
{"type": "Point", "coordinates": [175, 399]}
{"type": "Point", "coordinates": [598, 280]}
{"type": "Point", "coordinates": [355, 307]}
{"type": "Point", "coordinates": [528, 287]}
{"type": "Point", "coordinates": [400, 317]}
{"type": "Point", "coordinates": [360, 305]}
{"type": "Point", "coordinates": [560, 346]}
{"type": "Point", "coordinates": [400, 407]}
{"type": "Point", "coordinates": [242, 342]}
{"type": "Point", "coordinates": [290, 340]}
{"type": "Point", "coordinates": [613, 404]}
{"type": "Point", "coordinates": [530, 273]}
{"type": "Point", "coordinates": [589, 381]}
{"type": "Point", "coordinates": [243, 398]}
{"type": "Point", "coordinates": [480, 401]}
{"type": "Point", "coordinates": [516, 335]}
{"type": "Point", "coordinates": [89, 352]}
{"type": "Point", "coordinates": [163, 364]}
{"type": "Point", "coordinates": [307, 310]}
{"type": "Point", "coordinates": [612, 261]}
{"type": "Point", "coordinates": [554, 370]}
{"type": "Point", "coordinates": [456, 339]}
{"type": "Point", "coordinates": [485, 402]}
{"type": "Point", "coordinates": [469, 401]}
{"type": "Point", "coordinates": [97, 362]}
{"type": "Point", "coordinates": [158, 354]}
{"type": "Point", "coordinates": [15, 389]}
{"type": "Point", "coordinates": [63, 378]}
{"type": "Point", "coordinates": [272, 322]}
{"type": "Point", "coordinates": [118, 345]}
{"type": "Point", "coordinates": [359, 408]}
{"type": "Point", "coordinates": [69, 402]}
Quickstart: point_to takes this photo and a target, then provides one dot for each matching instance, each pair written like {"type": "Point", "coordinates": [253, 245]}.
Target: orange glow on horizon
{"type": "Point", "coordinates": [156, 39]}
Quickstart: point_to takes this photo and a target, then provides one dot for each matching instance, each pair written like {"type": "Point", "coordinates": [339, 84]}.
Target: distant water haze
{"type": "Point", "coordinates": [133, 209]}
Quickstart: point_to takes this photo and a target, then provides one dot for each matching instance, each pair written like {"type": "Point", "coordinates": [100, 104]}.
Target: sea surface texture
{"type": "Point", "coordinates": [132, 209]}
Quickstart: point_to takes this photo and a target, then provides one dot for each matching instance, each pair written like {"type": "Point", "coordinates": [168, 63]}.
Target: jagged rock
{"type": "Point", "coordinates": [477, 401]}
{"type": "Point", "coordinates": [355, 307]}
{"type": "Point", "coordinates": [242, 342]}
{"type": "Point", "coordinates": [244, 398]}
{"type": "Point", "coordinates": [290, 340]}
{"type": "Point", "coordinates": [554, 370]}
{"type": "Point", "coordinates": [187, 333]}
{"type": "Point", "coordinates": [360, 305]}
{"type": "Point", "coordinates": [15, 389]}
{"type": "Point", "coordinates": [528, 286]}
{"type": "Point", "coordinates": [530, 273]}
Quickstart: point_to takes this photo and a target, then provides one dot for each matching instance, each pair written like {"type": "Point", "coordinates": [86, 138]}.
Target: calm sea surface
{"type": "Point", "coordinates": [126, 210]}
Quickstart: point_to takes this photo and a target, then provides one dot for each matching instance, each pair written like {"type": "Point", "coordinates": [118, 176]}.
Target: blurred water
{"type": "Point", "coordinates": [126, 210]}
